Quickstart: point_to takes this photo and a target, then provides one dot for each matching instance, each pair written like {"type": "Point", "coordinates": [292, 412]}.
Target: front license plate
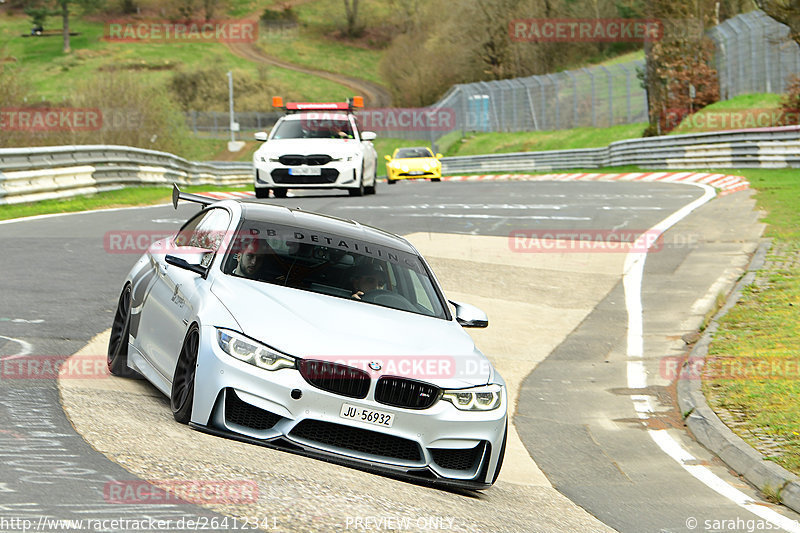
{"type": "Point", "coordinates": [378, 418]}
{"type": "Point", "coordinates": [305, 171]}
{"type": "Point", "coordinates": [416, 173]}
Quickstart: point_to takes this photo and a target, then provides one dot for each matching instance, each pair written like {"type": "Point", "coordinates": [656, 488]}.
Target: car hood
{"type": "Point", "coordinates": [309, 146]}
{"type": "Point", "coordinates": [316, 326]}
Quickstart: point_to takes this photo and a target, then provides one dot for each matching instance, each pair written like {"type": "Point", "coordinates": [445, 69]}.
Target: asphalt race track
{"type": "Point", "coordinates": [582, 459]}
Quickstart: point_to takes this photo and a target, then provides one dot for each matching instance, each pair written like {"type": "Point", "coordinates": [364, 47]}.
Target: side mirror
{"type": "Point", "coordinates": [470, 316]}
{"type": "Point", "coordinates": [184, 264]}
{"type": "Point", "coordinates": [261, 136]}
{"type": "Point", "coordinates": [388, 157]}
{"type": "Point", "coordinates": [439, 156]}
{"type": "Point", "coordinates": [368, 135]}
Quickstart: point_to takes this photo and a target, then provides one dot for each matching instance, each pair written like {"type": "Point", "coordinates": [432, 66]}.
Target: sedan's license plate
{"type": "Point", "coordinates": [416, 173]}
{"type": "Point", "coordinates": [379, 418]}
{"type": "Point", "coordinates": [305, 171]}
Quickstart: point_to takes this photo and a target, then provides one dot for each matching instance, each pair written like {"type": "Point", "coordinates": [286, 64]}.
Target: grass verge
{"type": "Point", "coordinates": [127, 197]}
{"type": "Point", "coordinates": [753, 376]}
{"type": "Point", "coordinates": [536, 141]}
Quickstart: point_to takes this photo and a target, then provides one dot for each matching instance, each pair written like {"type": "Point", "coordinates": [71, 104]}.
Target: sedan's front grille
{"type": "Point", "coordinates": [294, 160]}
{"type": "Point", "coordinates": [282, 176]}
{"type": "Point", "coordinates": [335, 378]}
{"type": "Point", "coordinates": [357, 440]}
{"type": "Point", "coordinates": [458, 459]}
{"type": "Point", "coordinates": [243, 414]}
{"type": "Point", "coordinates": [401, 392]}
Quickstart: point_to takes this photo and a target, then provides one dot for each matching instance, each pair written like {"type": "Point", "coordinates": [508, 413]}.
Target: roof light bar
{"type": "Point", "coordinates": [350, 105]}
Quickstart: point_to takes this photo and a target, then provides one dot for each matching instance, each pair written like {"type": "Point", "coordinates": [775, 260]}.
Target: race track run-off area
{"type": "Point", "coordinates": [579, 334]}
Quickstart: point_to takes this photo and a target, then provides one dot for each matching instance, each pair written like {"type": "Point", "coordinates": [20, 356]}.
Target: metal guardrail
{"type": "Point", "coordinates": [31, 174]}
{"type": "Point", "coordinates": [766, 148]}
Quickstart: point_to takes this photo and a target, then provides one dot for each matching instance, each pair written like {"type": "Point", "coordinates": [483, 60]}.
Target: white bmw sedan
{"type": "Point", "coordinates": [316, 335]}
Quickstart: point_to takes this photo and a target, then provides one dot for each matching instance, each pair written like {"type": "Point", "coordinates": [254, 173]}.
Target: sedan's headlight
{"type": "Point", "coordinates": [250, 351]}
{"type": "Point", "coordinates": [483, 398]}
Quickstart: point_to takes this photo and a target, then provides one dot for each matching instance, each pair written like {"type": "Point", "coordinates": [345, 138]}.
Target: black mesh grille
{"type": "Point", "coordinates": [336, 378]}
{"type": "Point", "coordinates": [293, 160]}
{"type": "Point", "coordinates": [457, 459]}
{"type": "Point", "coordinates": [401, 392]}
{"type": "Point", "coordinates": [356, 439]}
{"type": "Point", "coordinates": [281, 175]}
{"type": "Point", "coordinates": [318, 159]}
{"type": "Point", "coordinates": [244, 414]}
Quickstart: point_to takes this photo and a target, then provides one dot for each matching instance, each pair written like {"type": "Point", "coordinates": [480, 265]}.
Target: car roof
{"type": "Point", "coordinates": [324, 223]}
{"type": "Point", "coordinates": [317, 115]}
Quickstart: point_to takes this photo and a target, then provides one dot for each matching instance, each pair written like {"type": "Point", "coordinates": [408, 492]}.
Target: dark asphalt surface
{"type": "Point", "coordinates": [60, 284]}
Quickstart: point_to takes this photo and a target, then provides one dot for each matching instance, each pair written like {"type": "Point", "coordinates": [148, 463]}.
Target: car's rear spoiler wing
{"type": "Point", "coordinates": [178, 195]}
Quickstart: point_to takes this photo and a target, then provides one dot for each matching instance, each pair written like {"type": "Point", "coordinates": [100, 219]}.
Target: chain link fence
{"type": "Point", "coordinates": [599, 96]}
{"type": "Point", "coordinates": [754, 54]}
{"type": "Point", "coordinates": [217, 125]}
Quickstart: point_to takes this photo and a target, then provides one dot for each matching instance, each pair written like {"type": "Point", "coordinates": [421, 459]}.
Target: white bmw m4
{"type": "Point", "coordinates": [316, 335]}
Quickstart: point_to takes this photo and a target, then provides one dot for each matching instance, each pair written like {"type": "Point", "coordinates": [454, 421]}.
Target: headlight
{"type": "Point", "coordinates": [483, 398]}
{"type": "Point", "coordinates": [353, 157]}
{"type": "Point", "coordinates": [250, 351]}
{"type": "Point", "coordinates": [273, 159]}
{"type": "Point", "coordinates": [404, 168]}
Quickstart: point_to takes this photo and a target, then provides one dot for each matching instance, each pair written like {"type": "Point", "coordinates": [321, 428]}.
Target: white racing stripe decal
{"type": "Point", "coordinates": [637, 376]}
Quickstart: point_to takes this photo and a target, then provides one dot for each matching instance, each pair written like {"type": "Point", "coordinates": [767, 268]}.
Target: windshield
{"type": "Point", "coordinates": [333, 265]}
{"type": "Point", "coordinates": [407, 153]}
{"type": "Point", "coordinates": [313, 128]}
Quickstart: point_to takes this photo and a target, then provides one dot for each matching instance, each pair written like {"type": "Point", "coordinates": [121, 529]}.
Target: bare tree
{"type": "Point", "coordinates": [351, 14]}
{"type": "Point", "coordinates": [410, 13]}
{"type": "Point", "coordinates": [63, 8]}
{"type": "Point", "coordinates": [784, 11]}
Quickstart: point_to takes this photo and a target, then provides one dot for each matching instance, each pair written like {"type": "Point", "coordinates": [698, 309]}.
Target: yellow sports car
{"type": "Point", "coordinates": [410, 163]}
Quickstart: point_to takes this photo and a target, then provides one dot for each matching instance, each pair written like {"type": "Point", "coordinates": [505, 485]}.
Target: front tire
{"type": "Point", "coordinates": [359, 191]}
{"type": "Point", "coordinates": [280, 193]}
{"type": "Point", "coordinates": [262, 192]}
{"type": "Point", "coordinates": [181, 397]}
{"type": "Point", "coordinates": [371, 189]}
{"type": "Point", "coordinates": [117, 359]}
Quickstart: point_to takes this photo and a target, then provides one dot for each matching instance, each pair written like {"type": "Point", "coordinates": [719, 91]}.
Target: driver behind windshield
{"type": "Point", "coordinates": [251, 259]}
{"type": "Point", "coordinates": [367, 278]}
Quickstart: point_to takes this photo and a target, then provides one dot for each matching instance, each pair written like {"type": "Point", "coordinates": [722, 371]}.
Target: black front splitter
{"type": "Point", "coordinates": [422, 476]}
